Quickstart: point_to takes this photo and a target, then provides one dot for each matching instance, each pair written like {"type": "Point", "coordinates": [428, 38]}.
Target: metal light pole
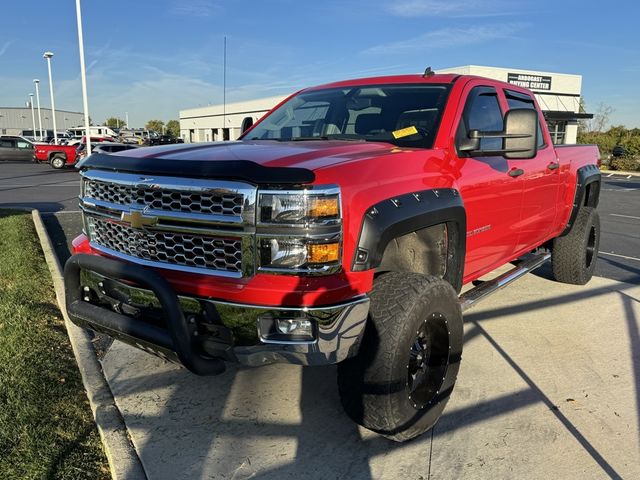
{"type": "Point", "coordinates": [83, 75]}
{"type": "Point", "coordinates": [33, 116]}
{"type": "Point", "coordinates": [48, 56]}
{"type": "Point", "coordinates": [37, 82]}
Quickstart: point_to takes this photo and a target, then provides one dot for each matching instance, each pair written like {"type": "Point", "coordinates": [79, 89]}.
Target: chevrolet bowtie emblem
{"type": "Point", "coordinates": [138, 219]}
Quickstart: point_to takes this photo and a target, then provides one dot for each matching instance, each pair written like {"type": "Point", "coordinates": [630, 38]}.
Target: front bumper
{"type": "Point", "coordinates": [136, 305]}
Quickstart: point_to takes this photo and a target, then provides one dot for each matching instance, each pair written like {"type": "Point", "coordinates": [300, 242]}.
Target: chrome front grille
{"type": "Point", "coordinates": [195, 225]}
{"type": "Point", "coordinates": [169, 200]}
{"type": "Point", "coordinates": [199, 251]}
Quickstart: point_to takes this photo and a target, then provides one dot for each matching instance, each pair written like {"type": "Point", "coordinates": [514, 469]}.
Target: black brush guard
{"type": "Point", "coordinates": [176, 339]}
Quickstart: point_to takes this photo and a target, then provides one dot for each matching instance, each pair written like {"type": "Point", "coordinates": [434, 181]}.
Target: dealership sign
{"type": "Point", "coordinates": [532, 82]}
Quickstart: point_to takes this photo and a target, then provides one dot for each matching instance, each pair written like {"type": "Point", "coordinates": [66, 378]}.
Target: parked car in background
{"type": "Point", "coordinates": [164, 140]}
{"type": "Point", "coordinates": [16, 149]}
{"type": "Point", "coordinates": [109, 147]}
{"type": "Point", "coordinates": [98, 131]}
{"type": "Point", "coordinates": [46, 136]}
{"type": "Point", "coordinates": [58, 156]}
{"type": "Point", "coordinates": [104, 147]}
{"type": "Point", "coordinates": [94, 140]}
{"type": "Point", "coordinates": [131, 140]}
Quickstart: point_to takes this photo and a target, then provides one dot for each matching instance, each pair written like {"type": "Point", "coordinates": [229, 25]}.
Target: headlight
{"type": "Point", "coordinates": [299, 208]}
{"type": "Point", "coordinates": [299, 253]}
{"type": "Point", "coordinates": [300, 231]}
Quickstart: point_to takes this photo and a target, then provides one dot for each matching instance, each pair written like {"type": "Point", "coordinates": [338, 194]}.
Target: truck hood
{"type": "Point", "coordinates": [310, 155]}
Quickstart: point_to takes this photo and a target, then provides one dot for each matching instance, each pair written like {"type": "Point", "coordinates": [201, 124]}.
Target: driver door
{"type": "Point", "coordinates": [492, 197]}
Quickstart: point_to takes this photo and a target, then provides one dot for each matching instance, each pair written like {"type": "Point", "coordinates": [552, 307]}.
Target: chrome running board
{"type": "Point", "coordinates": [526, 265]}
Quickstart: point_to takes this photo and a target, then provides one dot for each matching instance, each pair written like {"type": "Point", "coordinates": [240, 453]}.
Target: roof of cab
{"type": "Point", "coordinates": [434, 78]}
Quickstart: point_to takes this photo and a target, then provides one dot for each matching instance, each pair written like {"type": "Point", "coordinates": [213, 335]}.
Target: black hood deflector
{"type": "Point", "coordinates": [242, 170]}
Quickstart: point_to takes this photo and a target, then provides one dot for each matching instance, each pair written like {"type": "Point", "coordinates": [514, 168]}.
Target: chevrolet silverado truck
{"type": "Point", "coordinates": [58, 156]}
{"type": "Point", "coordinates": [340, 229]}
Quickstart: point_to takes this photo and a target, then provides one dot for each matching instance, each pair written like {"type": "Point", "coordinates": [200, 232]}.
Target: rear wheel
{"type": "Point", "coordinates": [58, 162]}
{"type": "Point", "coordinates": [573, 257]}
{"type": "Point", "coordinates": [403, 375]}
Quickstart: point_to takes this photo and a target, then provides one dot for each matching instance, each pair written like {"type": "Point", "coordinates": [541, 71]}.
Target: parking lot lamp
{"type": "Point", "coordinates": [83, 76]}
{"type": "Point", "coordinates": [48, 56]}
{"type": "Point", "coordinates": [37, 82]}
{"type": "Point", "coordinates": [33, 115]}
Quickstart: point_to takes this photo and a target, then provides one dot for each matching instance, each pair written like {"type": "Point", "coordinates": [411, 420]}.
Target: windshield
{"type": "Point", "coordinates": [405, 115]}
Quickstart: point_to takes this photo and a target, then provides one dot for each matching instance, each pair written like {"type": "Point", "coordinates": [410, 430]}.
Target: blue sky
{"type": "Point", "coordinates": [154, 58]}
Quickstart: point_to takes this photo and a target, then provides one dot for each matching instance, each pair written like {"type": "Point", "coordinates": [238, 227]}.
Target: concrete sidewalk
{"type": "Point", "coordinates": [549, 387]}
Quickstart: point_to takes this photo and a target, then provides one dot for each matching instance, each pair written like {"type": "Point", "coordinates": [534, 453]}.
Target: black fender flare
{"type": "Point", "coordinates": [397, 216]}
{"type": "Point", "coordinates": [589, 174]}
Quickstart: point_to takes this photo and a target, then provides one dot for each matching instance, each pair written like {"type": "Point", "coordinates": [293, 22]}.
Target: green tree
{"type": "Point", "coordinates": [114, 122]}
{"type": "Point", "coordinates": [155, 125]}
{"type": "Point", "coordinates": [173, 128]}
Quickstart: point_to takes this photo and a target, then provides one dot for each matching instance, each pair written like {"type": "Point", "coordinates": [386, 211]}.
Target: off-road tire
{"type": "Point", "coordinates": [375, 385]}
{"type": "Point", "coordinates": [58, 162]}
{"type": "Point", "coordinates": [573, 257]}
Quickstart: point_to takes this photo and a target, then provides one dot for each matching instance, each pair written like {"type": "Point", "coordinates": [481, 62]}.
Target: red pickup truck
{"type": "Point", "coordinates": [341, 228]}
{"type": "Point", "coordinates": [58, 156]}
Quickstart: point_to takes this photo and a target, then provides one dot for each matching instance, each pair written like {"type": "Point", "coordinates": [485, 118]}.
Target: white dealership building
{"type": "Point", "coordinates": [558, 95]}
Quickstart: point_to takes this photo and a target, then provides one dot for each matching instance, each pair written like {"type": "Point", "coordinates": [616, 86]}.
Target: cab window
{"type": "Point", "coordinates": [521, 100]}
{"type": "Point", "coordinates": [482, 112]}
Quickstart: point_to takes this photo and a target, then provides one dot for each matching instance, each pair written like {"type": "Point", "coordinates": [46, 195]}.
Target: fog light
{"type": "Point", "coordinates": [286, 329]}
{"type": "Point", "coordinates": [294, 326]}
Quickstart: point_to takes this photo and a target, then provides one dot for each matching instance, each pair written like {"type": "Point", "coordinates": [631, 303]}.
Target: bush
{"type": "Point", "coordinates": [627, 164]}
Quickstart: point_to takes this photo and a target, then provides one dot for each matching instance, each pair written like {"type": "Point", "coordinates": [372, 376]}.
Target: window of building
{"type": "Point", "coordinates": [558, 131]}
{"type": "Point", "coordinates": [225, 134]}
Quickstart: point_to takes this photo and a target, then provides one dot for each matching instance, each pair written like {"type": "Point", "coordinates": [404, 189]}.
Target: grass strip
{"type": "Point", "coordinates": [46, 426]}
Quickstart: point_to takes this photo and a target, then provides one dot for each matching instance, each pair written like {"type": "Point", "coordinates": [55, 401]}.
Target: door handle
{"type": "Point", "coordinates": [553, 166]}
{"type": "Point", "coordinates": [516, 172]}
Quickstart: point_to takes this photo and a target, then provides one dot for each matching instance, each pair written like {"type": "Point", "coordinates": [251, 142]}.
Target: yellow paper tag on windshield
{"type": "Point", "coordinates": [405, 132]}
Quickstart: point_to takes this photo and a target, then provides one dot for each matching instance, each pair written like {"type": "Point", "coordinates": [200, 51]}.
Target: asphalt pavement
{"type": "Point", "coordinates": [38, 186]}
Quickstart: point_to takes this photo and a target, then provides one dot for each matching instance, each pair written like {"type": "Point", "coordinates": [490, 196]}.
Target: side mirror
{"type": "Point", "coordinates": [247, 123]}
{"type": "Point", "coordinates": [521, 133]}
{"type": "Point", "coordinates": [519, 137]}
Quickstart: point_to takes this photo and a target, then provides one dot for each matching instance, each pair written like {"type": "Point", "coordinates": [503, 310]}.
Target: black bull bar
{"type": "Point", "coordinates": [177, 337]}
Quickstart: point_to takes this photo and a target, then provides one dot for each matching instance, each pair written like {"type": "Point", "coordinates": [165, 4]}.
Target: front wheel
{"type": "Point", "coordinates": [58, 162]}
{"type": "Point", "coordinates": [573, 257]}
{"type": "Point", "coordinates": [404, 373]}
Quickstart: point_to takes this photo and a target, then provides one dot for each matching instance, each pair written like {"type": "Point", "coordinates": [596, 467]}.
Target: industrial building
{"type": "Point", "coordinates": [13, 120]}
{"type": "Point", "coordinates": [558, 95]}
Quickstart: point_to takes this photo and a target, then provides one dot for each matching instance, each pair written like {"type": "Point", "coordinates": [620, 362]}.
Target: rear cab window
{"type": "Point", "coordinates": [522, 100]}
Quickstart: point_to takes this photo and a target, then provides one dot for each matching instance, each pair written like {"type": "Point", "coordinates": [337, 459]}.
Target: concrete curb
{"type": "Point", "coordinates": [121, 455]}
